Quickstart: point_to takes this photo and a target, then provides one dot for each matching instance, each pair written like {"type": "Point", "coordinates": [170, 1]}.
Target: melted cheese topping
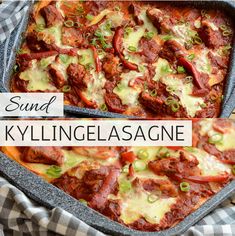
{"type": "Point", "coordinates": [183, 33]}
{"type": "Point", "coordinates": [128, 95]}
{"type": "Point", "coordinates": [162, 68]}
{"type": "Point", "coordinates": [228, 138]}
{"type": "Point", "coordinates": [54, 32]}
{"type": "Point", "coordinates": [86, 57]}
{"type": "Point", "coordinates": [37, 77]}
{"type": "Point", "coordinates": [136, 205]}
{"type": "Point", "coordinates": [183, 91]}
{"type": "Point", "coordinates": [202, 62]}
{"type": "Point", "coordinates": [209, 164]}
{"type": "Point", "coordinates": [95, 91]}
{"type": "Point", "coordinates": [134, 37]}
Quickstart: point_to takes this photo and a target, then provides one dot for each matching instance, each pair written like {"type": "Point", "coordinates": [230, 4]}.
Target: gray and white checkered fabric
{"type": "Point", "coordinates": [11, 13]}
{"type": "Point", "coordinates": [21, 216]}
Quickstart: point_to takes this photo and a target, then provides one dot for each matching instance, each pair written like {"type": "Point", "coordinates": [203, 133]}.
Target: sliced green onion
{"type": "Point", "coordinates": [16, 68]}
{"type": "Point", "coordinates": [197, 39]}
{"type": "Point", "coordinates": [125, 186]}
{"type": "Point", "coordinates": [77, 24]}
{"type": "Point", "coordinates": [89, 17]}
{"type": "Point", "coordinates": [139, 165]}
{"type": "Point", "coordinates": [169, 100]}
{"type": "Point", "coordinates": [98, 34]}
{"type": "Point", "coordinates": [108, 25]}
{"type": "Point", "coordinates": [170, 89]}
{"type": "Point", "coordinates": [117, 8]}
{"type": "Point", "coordinates": [184, 186]}
{"type": "Point", "coordinates": [203, 105]}
{"type": "Point", "coordinates": [163, 152]}
{"type": "Point", "coordinates": [153, 93]}
{"type": "Point", "coordinates": [66, 88]}
{"type": "Point", "coordinates": [233, 169]}
{"type": "Point", "coordinates": [215, 138]}
{"type": "Point", "coordinates": [132, 49]}
{"type": "Point", "coordinates": [80, 9]}
{"type": "Point", "coordinates": [125, 169]}
{"type": "Point", "coordinates": [149, 35]}
{"type": "Point", "coordinates": [191, 57]}
{"type": "Point", "coordinates": [69, 23]}
{"type": "Point", "coordinates": [44, 62]}
{"type": "Point", "coordinates": [83, 201]}
{"type": "Point", "coordinates": [143, 154]}
{"type": "Point", "coordinates": [127, 31]}
{"type": "Point", "coordinates": [88, 66]}
{"type": "Point", "coordinates": [64, 58]}
{"type": "Point", "coordinates": [103, 107]}
{"type": "Point", "coordinates": [94, 42]}
{"type": "Point", "coordinates": [188, 79]}
{"type": "Point", "coordinates": [120, 86]}
{"type": "Point", "coordinates": [227, 33]}
{"type": "Point", "coordinates": [141, 68]}
{"type": "Point", "coordinates": [203, 12]}
{"type": "Point", "coordinates": [166, 69]}
{"type": "Point", "coordinates": [105, 45]}
{"type": "Point", "coordinates": [167, 37]}
{"type": "Point", "coordinates": [100, 52]}
{"type": "Point", "coordinates": [175, 106]}
{"type": "Point", "coordinates": [152, 198]}
{"type": "Point", "coordinates": [40, 27]}
{"type": "Point", "coordinates": [189, 149]}
{"type": "Point", "coordinates": [188, 45]}
{"type": "Point", "coordinates": [54, 171]}
{"type": "Point", "coordinates": [82, 58]}
{"type": "Point", "coordinates": [180, 69]}
{"type": "Point", "coordinates": [223, 27]}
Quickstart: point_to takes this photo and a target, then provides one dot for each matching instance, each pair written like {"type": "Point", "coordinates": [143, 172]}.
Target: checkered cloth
{"type": "Point", "coordinates": [21, 216]}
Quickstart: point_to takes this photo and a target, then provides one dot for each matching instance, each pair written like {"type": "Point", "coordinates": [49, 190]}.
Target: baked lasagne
{"type": "Point", "coordinates": [144, 188]}
{"type": "Point", "coordinates": [145, 59]}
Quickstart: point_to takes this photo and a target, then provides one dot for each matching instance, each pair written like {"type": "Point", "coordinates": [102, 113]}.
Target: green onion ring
{"type": "Point", "coordinates": [125, 186]}
{"type": "Point", "coordinates": [66, 88]}
{"type": "Point", "coordinates": [153, 93]}
{"type": "Point", "coordinates": [188, 79]}
{"type": "Point", "coordinates": [132, 49]}
{"type": "Point", "coordinates": [169, 100]}
{"type": "Point", "coordinates": [197, 40]}
{"type": "Point", "coordinates": [215, 138]}
{"type": "Point", "coordinates": [83, 201]}
{"type": "Point", "coordinates": [152, 198]}
{"type": "Point", "coordinates": [103, 107]}
{"type": "Point", "coordinates": [184, 186]}
{"type": "Point", "coordinates": [175, 106]}
{"type": "Point", "coordinates": [139, 165]}
{"type": "Point", "coordinates": [69, 23]}
{"type": "Point", "coordinates": [163, 152]}
{"type": "Point", "coordinates": [143, 154]}
{"type": "Point", "coordinates": [227, 32]}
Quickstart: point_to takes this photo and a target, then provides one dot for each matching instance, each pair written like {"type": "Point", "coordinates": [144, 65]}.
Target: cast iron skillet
{"type": "Point", "coordinates": [228, 103]}
{"type": "Point", "coordinates": [48, 195]}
